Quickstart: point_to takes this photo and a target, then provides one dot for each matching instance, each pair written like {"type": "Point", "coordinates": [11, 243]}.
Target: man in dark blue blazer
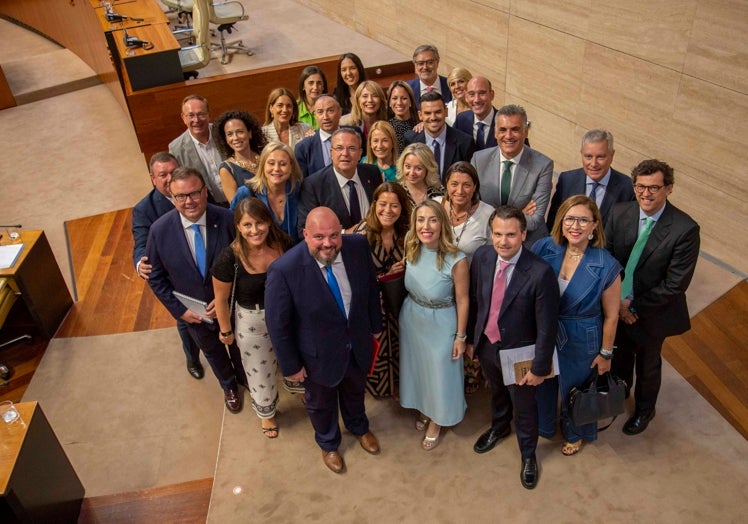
{"type": "Point", "coordinates": [480, 121]}
{"type": "Point", "coordinates": [595, 178]}
{"type": "Point", "coordinates": [428, 79]}
{"type": "Point", "coordinates": [155, 204]}
{"type": "Point", "coordinates": [322, 310]}
{"type": "Point", "coordinates": [328, 187]}
{"type": "Point", "coordinates": [313, 153]}
{"type": "Point", "coordinates": [454, 145]}
{"type": "Point", "coordinates": [527, 315]}
{"type": "Point", "coordinates": [653, 291]}
{"type": "Point", "coordinates": [181, 247]}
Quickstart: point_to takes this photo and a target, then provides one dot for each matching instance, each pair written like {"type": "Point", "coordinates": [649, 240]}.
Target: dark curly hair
{"type": "Point", "coordinates": [257, 140]}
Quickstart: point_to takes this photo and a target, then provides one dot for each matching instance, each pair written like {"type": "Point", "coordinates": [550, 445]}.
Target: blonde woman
{"type": "Point", "coordinates": [418, 174]}
{"type": "Point", "coordinates": [457, 82]}
{"type": "Point", "coordinates": [369, 106]}
{"type": "Point", "coordinates": [381, 150]}
{"type": "Point", "coordinates": [433, 320]}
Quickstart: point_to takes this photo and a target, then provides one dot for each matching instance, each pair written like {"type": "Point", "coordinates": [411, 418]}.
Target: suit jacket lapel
{"type": "Point", "coordinates": [659, 233]}
{"type": "Point", "coordinates": [519, 278]}
{"type": "Point", "coordinates": [520, 177]}
{"type": "Point", "coordinates": [336, 193]}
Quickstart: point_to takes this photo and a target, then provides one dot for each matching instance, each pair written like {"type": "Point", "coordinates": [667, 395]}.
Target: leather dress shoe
{"type": "Point", "coordinates": [333, 460]}
{"type": "Point", "coordinates": [369, 442]}
{"type": "Point", "coordinates": [489, 439]}
{"type": "Point", "coordinates": [529, 474]}
{"type": "Point", "coordinates": [233, 400]}
{"type": "Point", "coordinates": [638, 422]}
{"type": "Point", "coordinates": [195, 369]}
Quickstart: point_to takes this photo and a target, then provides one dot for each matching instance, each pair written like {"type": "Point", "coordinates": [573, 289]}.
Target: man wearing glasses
{"type": "Point", "coordinates": [346, 186]}
{"type": "Point", "coordinates": [195, 147]}
{"type": "Point", "coordinates": [428, 79]}
{"type": "Point", "coordinates": [181, 247]}
{"type": "Point", "coordinates": [658, 244]}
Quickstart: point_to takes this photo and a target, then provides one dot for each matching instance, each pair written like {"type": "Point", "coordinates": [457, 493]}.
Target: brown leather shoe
{"type": "Point", "coordinates": [369, 442]}
{"type": "Point", "coordinates": [333, 460]}
{"type": "Point", "coordinates": [233, 400]}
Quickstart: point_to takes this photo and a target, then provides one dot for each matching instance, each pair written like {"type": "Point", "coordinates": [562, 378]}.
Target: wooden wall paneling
{"type": "Point", "coordinates": [6, 96]}
{"type": "Point", "coordinates": [155, 112]}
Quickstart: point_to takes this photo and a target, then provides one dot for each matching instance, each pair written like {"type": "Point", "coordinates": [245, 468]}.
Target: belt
{"type": "Point", "coordinates": [432, 305]}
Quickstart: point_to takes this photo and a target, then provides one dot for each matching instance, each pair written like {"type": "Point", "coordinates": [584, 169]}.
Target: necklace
{"type": "Point", "coordinates": [250, 164]}
{"type": "Point", "coordinates": [575, 256]}
{"type": "Point", "coordinates": [467, 216]}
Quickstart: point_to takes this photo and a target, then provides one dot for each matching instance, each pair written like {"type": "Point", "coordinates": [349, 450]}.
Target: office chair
{"type": "Point", "coordinates": [194, 57]}
{"type": "Point", "coordinates": [8, 296]}
{"type": "Point", "coordinates": [225, 15]}
{"type": "Point", "coordinates": [183, 9]}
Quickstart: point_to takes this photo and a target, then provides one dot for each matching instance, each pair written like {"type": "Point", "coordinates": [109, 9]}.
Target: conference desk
{"type": "Point", "coordinates": [39, 280]}
{"type": "Point", "coordinates": [37, 481]}
{"type": "Point", "coordinates": [146, 12]}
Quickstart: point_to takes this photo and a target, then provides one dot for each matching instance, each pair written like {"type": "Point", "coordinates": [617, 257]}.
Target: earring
{"type": "Point", "coordinates": [590, 236]}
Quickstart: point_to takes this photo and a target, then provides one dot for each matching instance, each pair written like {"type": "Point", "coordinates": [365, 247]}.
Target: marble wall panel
{"type": "Point", "coordinates": [545, 66]}
{"type": "Point", "coordinates": [570, 16]}
{"type": "Point", "coordinates": [654, 31]}
{"type": "Point", "coordinates": [718, 49]}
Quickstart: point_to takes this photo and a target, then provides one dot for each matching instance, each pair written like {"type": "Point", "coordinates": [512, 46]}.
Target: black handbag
{"type": "Point", "coordinates": [599, 397]}
{"type": "Point", "coordinates": [393, 291]}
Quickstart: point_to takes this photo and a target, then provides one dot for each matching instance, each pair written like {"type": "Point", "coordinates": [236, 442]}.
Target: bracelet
{"type": "Point", "coordinates": [607, 353]}
{"type": "Point", "coordinates": [462, 337]}
{"type": "Point", "coordinates": [227, 333]}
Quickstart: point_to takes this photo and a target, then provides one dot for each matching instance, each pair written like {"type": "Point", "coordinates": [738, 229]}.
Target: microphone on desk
{"type": "Point", "coordinates": [116, 17]}
{"type": "Point", "coordinates": [134, 41]}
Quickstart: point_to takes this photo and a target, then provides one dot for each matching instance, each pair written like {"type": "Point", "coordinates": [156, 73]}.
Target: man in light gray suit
{"type": "Point", "coordinates": [514, 174]}
{"type": "Point", "coordinates": [195, 147]}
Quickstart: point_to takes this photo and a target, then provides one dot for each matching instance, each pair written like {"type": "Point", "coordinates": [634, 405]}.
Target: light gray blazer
{"type": "Point", "coordinates": [532, 180]}
{"type": "Point", "coordinates": [183, 148]}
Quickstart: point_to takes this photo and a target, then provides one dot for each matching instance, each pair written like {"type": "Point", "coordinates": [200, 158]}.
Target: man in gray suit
{"type": "Point", "coordinates": [514, 174]}
{"type": "Point", "coordinates": [195, 147]}
{"type": "Point", "coordinates": [595, 178]}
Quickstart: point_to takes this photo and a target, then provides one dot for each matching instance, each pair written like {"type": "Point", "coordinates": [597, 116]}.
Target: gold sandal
{"type": "Point", "coordinates": [421, 422]}
{"type": "Point", "coordinates": [429, 443]}
{"type": "Point", "coordinates": [572, 448]}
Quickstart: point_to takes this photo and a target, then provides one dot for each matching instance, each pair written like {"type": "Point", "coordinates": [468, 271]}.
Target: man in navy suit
{"type": "Point", "coordinates": [653, 294]}
{"type": "Point", "coordinates": [155, 204]}
{"type": "Point", "coordinates": [335, 185]}
{"type": "Point", "coordinates": [448, 144]}
{"type": "Point", "coordinates": [596, 178]}
{"type": "Point", "coordinates": [313, 153]}
{"type": "Point", "coordinates": [181, 247]}
{"type": "Point", "coordinates": [514, 301]}
{"type": "Point", "coordinates": [322, 310]}
{"type": "Point", "coordinates": [480, 121]}
{"type": "Point", "coordinates": [428, 79]}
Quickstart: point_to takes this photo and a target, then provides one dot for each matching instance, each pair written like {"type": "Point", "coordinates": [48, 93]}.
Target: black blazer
{"type": "Point", "coordinates": [458, 146]}
{"type": "Point", "coordinates": [305, 323]}
{"type": "Point", "coordinates": [322, 189]}
{"type": "Point", "coordinates": [620, 189]}
{"type": "Point", "coordinates": [529, 312]}
{"type": "Point", "coordinates": [665, 267]}
{"type": "Point", "coordinates": [464, 122]}
{"type": "Point", "coordinates": [145, 213]}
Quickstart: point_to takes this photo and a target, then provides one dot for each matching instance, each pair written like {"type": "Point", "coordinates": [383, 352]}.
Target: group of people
{"type": "Point", "coordinates": [337, 196]}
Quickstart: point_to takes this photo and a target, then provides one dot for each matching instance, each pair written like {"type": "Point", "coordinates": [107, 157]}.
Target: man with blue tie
{"type": "Point", "coordinates": [480, 121]}
{"type": "Point", "coordinates": [152, 206]}
{"type": "Point", "coordinates": [322, 311]}
{"type": "Point", "coordinates": [595, 178]}
{"type": "Point", "coordinates": [313, 153]}
{"type": "Point", "coordinates": [658, 245]}
{"type": "Point", "coordinates": [181, 247]}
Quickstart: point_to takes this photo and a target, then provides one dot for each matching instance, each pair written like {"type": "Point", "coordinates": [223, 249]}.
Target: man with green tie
{"type": "Point", "coordinates": [658, 244]}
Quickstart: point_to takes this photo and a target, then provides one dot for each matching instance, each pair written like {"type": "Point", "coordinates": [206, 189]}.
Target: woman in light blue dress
{"type": "Point", "coordinates": [433, 320]}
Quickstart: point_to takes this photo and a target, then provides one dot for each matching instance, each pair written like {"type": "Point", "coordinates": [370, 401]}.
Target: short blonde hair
{"type": "Point", "coordinates": [423, 153]}
{"type": "Point", "coordinates": [259, 182]}
{"type": "Point", "coordinates": [458, 73]}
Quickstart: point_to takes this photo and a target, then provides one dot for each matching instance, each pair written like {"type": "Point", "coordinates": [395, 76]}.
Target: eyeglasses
{"type": "Point", "coordinates": [194, 196]}
{"type": "Point", "coordinates": [199, 116]}
{"type": "Point", "coordinates": [582, 221]}
{"type": "Point", "coordinates": [640, 188]}
{"type": "Point", "coordinates": [350, 149]}
{"type": "Point", "coordinates": [422, 63]}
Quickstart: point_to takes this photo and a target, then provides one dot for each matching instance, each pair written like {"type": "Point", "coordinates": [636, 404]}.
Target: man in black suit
{"type": "Point", "coordinates": [428, 79]}
{"type": "Point", "coordinates": [346, 186]}
{"type": "Point", "coordinates": [658, 244]}
{"type": "Point", "coordinates": [480, 122]}
{"type": "Point", "coordinates": [322, 310]}
{"type": "Point", "coordinates": [595, 178]}
{"type": "Point", "coordinates": [155, 204]}
{"type": "Point", "coordinates": [514, 301]}
{"type": "Point", "coordinates": [181, 247]}
{"type": "Point", "coordinates": [313, 153]}
{"type": "Point", "coordinates": [448, 144]}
